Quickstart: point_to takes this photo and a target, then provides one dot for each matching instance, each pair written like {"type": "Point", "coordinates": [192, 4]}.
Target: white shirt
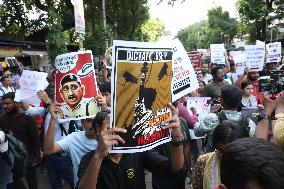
{"type": "Point", "coordinates": [4, 90]}
{"type": "Point", "coordinates": [207, 78]}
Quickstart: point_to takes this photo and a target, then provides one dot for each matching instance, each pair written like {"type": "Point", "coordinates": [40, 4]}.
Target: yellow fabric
{"type": "Point", "coordinates": [278, 130]}
{"type": "Point", "coordinates": [212, 171]}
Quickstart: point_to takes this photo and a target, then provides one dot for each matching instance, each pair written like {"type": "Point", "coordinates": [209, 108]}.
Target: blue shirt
{"type": "Point", "coordinates": [77, 145]}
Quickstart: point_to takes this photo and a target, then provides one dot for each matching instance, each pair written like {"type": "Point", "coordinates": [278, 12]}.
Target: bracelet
{"type": "Point", "coordinates": [177, 143]}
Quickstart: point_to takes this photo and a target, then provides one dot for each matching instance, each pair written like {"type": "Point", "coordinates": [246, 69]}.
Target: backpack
{"type": "Point", "coordinates": [16, 155]}
{"type": "Point", "coordinates": [243, 121]}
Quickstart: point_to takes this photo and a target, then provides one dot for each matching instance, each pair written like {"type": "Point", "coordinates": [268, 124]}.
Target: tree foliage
{"type": "Point", "coordinates": [124, 20]}
{"type": "Point", "coordinates": [219, 28]}
{"type": "Point", "coordinates": [56, 44]}
{"type": "Point", "coordinates": [153, 29]}
{"type": "Point", "coordinates": [254, 16]}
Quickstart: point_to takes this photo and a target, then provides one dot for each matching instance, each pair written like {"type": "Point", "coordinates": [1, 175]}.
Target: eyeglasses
{"type": "Point", "coordinates": [72, 87]}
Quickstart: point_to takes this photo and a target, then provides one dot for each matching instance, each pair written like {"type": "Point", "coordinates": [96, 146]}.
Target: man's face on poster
{"type": "Point", "coordinates": [72, 92]}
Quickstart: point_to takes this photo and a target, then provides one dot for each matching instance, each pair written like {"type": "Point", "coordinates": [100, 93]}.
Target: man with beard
{"type": "Point", "coordinates": [253, 77]}
{"type": "Point", "coordinates": [205, 71]}
{"type": "Point", "coordinates": [213, 89]}
{"type": "Point", "coordinates": [25, 129]}
{"type": "Point", "coordinates": [72, 92]}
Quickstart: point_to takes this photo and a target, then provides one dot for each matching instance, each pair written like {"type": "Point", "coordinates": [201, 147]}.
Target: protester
{"type": "Point", "coordinates": [6, 175]}
{"type": "Point", "coordinates": [231, 97]}
{"type": "Point", "coordinates": [252, 164]}
{"type": "Point", "coordinates": [101, 170]}
{"type": "Point", "coordinates": [199, 76]}
{"type": "Point", "coordinates": [76, 144]}
{"type": "Point", "coordinates": [252, 76]}
{"type": "Point", "coordinates": [25, 129]}
{"type": "Point", "coordinates": [277, 125]}
{"type": "Point", "coordinates": [164, 181]}
{"type": "Point", "coordinates": [213, 89]}
{"type": "Point", "coordinates": [248, 99]}
{"type": "Point", "coordinates": [105, 90]}
{"type": "Point", "coordinates": [5, 88]}
{"type": "Point", "coordinates": [201, 88]}
{"type": "Point", "coordinates": [205, 71]}
{"type": "Point", "coordinates": [206, 172]}
{"type": "Point", "coordinates": [183, 112]}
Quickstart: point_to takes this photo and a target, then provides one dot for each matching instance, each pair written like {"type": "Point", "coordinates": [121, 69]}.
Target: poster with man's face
{"type": "Point", "coordinates": [76, 86]}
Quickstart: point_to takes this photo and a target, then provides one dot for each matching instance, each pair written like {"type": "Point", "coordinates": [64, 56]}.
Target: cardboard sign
{"type": "Point", "coordinates": [194, 57]}
{"type": "Point", "coordinates": [31, 82]}
{"type": "Point", "coordinates": [273, 52]}
{"type": "Point", "coordinates": [255, 55]}
{"type": "Point", "coordinates": [217, 53]}
{"type": "Point", "coordinates": [75, 85]}
{"type": "Point", "coordinates": [141, 90]}
{"type": "Point", "coordinates": [184, 77]}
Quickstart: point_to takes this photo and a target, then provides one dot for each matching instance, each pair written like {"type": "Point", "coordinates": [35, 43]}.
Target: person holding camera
{"type": "Point", "coordinates": [231, 97]}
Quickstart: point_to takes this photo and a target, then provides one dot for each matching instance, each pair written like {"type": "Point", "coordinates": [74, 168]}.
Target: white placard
{"type": "Point", "coordinates": [202, 105]}
{"type": "Point", "coordinates": [239, 58]}
{"type": "Point", "coordinates": [255, 55]}
{"type": "Point", "coordinates": [217, 53]}
{"type": "Point", "coordinates": [184, 78]}
{"type": "Point", "coordinates": [79, 16]}
{"type": "Point", "coordinates": [30, 83]}
{"type": "Point", "coordinates": [273, 52]}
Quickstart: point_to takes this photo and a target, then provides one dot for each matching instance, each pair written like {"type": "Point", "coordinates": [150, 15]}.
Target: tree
{"type": "Point", "coordinates": [219, 28]}
{"type": "Point", "coordinates": [222, 27]}
{"type": "Point", "coordinates": [254, 16]}
{"type": "Point", "coordinates": [153, 29]}
{"type": "Point", "coordinates": [194, 36]}
{"type": "Point", "coordinates": [56, 44]}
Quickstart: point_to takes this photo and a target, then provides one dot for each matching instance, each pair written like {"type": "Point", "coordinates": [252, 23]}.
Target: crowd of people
{"type": "Point", "coordinates": [225, 150]}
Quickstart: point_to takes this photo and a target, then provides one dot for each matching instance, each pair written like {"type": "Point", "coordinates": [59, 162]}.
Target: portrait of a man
{"type": "Point", "coordinates": [75, 105]}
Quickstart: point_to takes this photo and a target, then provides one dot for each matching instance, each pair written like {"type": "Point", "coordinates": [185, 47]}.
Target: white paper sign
{"type": "Point", "coordinates": [30, 83]}
{"type": "Point", "coordinates": [202, 105]}
{"type": "Point", "coordinates": [255, 55]}
{"type": "Point", "coordinates": [79, 16]}
{"type": "Point", "coordinates": [184, 79]}
{"type": "Point", "coordinates": [217, 53]}
{"type": "Point", "coordinates": [239, 58]}
{"type": "Point", "coordinates": [273, 52]}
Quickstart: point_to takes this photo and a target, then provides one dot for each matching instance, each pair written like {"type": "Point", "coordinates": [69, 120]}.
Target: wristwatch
{"type": "Point", "coordinates": [263, 116]}
{"type": "Point", "coordinates": [178, 143]}
{"type": "Point", "coordinates": [48, 103]}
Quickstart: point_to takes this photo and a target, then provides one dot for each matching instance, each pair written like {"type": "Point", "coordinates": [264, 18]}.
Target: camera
{"type": "Point", "coordinates": [273, 83]}
{"type": "Point", "coordinates": [216, 102]}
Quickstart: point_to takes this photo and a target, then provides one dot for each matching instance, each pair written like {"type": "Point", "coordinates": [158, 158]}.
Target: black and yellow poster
{"type": "Point", "coordinates": [141, 90]}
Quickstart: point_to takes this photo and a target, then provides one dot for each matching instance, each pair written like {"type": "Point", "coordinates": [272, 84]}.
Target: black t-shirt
{"type": "Point", "coordinates": [129, 173]}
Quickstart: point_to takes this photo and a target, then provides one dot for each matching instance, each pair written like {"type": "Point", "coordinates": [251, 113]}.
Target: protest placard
{"type": "Point", "coordinates": [79, 16]}
{"type": "Point", "coordinates": [217, 53]}
{"type": "Point", "coordinates": [30, 83]}
{"type": "Point", "coordinates": [141, 90]}
{"type": "Point", "coordinates": [239, 58]}
{"type": "Point", "coordinates": [184, 78]}
{"type": "Point", "coordinates": [255, 55]}
{"type": "Point", "coordinates": [273, 52]}
{"type": "Point", "coordinates": [194, 57]}
{"type": "Point", "coordinates": [202, 106]}
{"type": "Point", "coordinates": [75, 85]}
